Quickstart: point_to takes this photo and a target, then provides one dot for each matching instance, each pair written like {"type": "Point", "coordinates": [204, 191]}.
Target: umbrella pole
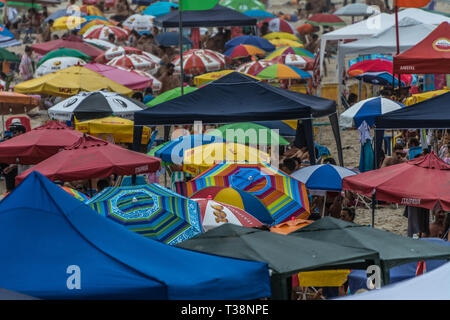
{"type": "Point", "coordinates": [373, 207]}
{"type": "Point", "coordinates": [180, 24]}
{"type": "Point", "coordinates": [324, 204]}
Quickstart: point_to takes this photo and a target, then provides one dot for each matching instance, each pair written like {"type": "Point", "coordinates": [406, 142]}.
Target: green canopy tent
{"type": "Point", "coordinates": [393, 249]}
{"type": "Point", "coordinates": [8, 56]}
{"type": "Point", "coordinates": [285, 255]}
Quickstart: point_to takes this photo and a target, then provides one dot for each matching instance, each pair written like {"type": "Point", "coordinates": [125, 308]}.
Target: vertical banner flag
{"type": "Point", "coordinates": [190, 5]}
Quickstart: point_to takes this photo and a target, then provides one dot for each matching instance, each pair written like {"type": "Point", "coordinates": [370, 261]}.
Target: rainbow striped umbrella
{"type": "Point", "coordinates": [151, 211]}
{"type": "Point", "coordinates": [282, 195]}
{"type": "Point", "coordinates": [282, 71]}
{"type": "Point", "coordinates": [290, 50]}
{"type": "Point", "coordinates": [243, 51]}
{"type": "Point", "coordinates": [77, 194]}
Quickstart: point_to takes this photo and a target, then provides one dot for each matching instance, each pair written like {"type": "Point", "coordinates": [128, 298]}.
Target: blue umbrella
{"type": "Point", "coordinates": [89, 18]}
{"type": "Point", "coordinates": [159, 8]}
{"type": "Point", "coordinates": [168, 39]}
{"type": "Point", "coordinates": [326, 177]}
{"type": "Point", "coordinates": [252, 40]}
{"type": "Point", "coordinates": [259, 14]}
{"type": "Point", "coordinates": [7, 39]}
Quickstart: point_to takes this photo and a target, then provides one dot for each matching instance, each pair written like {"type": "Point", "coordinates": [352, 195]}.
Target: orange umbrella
{"type": "Point", "coordinates": [13, 103]}
{"type": "Point", "coordinates": [306, 28]}
{"type": "Point", "coordinates": [290, 226]}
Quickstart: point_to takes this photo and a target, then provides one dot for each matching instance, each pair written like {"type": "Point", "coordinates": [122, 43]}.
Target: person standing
{"type": "Point", "coordinates": [26, 65]}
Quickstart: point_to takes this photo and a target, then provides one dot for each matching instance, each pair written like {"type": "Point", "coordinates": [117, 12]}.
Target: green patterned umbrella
{"type": "Point", "coordinates": [8, 56]}
{"type": "Point", "coordinates": [64, 52]}
{"type": "Point", "coordinates": [243, 5]}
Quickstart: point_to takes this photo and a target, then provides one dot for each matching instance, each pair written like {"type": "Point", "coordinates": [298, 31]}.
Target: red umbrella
{"type": "Point", "coordinates": [112, 53]}
{"type": "Point", "coordinates": [422, 182]}
{"type": "Point", "coordinates": [90, 158]}
{"type": "Point", "coordinates": [70, 42]}
{"type": "Point", "coordinates": [372, 65]}
{"type": "Point", "coordinates": [325, 19]}
{"type": "Point", "coordinates": [38, 144]}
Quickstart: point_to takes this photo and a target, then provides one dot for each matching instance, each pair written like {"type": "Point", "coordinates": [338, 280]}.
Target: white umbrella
{"type": "Point", "coordinates": [134, 61]}
{"type": "Point", "coordinates": [356, 9]}
{"type": "Point", "coordinates": [139, 22]}
{"type": "Point", "coordinates": [102, 43]}
{"type": "Point", "coordinates": [58, 63]}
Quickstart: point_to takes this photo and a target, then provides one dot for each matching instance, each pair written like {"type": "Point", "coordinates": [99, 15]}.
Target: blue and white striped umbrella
{"type": "Point", "coordinates": [326, 177]}
{"type": "Point", "coordinates": [367, 110]}
{"type": "Point", "coordinates": [7, 39]}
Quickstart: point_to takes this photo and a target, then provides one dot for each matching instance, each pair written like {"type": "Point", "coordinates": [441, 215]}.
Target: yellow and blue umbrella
{"type": "Point", "coordinates": [151, 211]}
{"type": "Point", "coordinates": [282, 195]}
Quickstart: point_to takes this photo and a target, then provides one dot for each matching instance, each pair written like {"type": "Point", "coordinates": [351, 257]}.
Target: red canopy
{"type": "Point", "coordinates": [431, 55]}
{"type": "Point", "coordinates": [422, 182]}
{"type": "Point", "coordinates": [90, 158]}
{"type": "Point", "coordinates": [38, 144]}
{"type": "Point", "coordinates": [69, 42]}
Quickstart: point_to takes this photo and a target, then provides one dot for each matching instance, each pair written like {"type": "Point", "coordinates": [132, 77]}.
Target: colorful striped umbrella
{"type": "Point", "coordinates": [279, 43]}
{"type": "Point", "coordinates": [151, 211]}
{"type": "Point", "coordinates": [282, 71]}
{"type": "Point", "coordinates": [324, 19]}
{"type": "Point", "coordinates": [254, 67]}
{"type": "Point", "coordinates": [243, 51]}
{"type": "Point", "coordinates": [281, 35]}
{"type": "Point", "coordinates": [290, 50]}
{"type": "Point", "coordinates": [211, 76]}
{"type": "Point", "coordinates": [282, 195]}
{"type": "Point", "coordinates": [85, 26]}
{"type": "Point", "coordinates": [278, 25]}
{"type": "Point", "coordinates": [76, 194]}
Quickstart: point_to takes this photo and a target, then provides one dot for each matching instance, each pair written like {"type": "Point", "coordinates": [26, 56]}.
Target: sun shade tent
{"type": "Point", "coordinates": [101, 250]}
{"type": "Point", "coordinates": [242, 99]}
{"type": "Point", "coordinates": [393, 249]}
{"type": "Point", "coordinates": [218, 16]}
{"type": "Point", "coordinates": [285, 255]}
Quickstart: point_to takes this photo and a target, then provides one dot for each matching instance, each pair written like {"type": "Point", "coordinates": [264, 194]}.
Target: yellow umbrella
{"type": "Point", "coordinates": [281, 35]}
{"type": "Point", "coordinates": [67, 23]}
{"type": "Point", "coordinates": [70, 81]}
{"type": "Point", "coordinates": [94, 22]}
{"type": "Point", "coordinates": [326, 278]}
{"type": "Point", "coordinates": [207, 77]}
{"type": "Point", "coordinates": [201, 158]}
{"type": "Point", "coordinates": [120, 129]}
{"type": "Point", "coordinates": [285, 43]}
{"type": "Point", "coordinates": [419, 97]}
{"type": "Point", "coordinates": [91, 10]}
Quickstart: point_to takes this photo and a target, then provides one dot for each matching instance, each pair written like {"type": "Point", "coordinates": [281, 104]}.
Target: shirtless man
{"type": "Point", "coordinates": [398, 156]}
{"type": "Point", "coordinates": [437, 227]}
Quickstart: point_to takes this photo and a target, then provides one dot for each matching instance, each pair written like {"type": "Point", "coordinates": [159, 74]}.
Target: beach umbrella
{"type": "Point", "coordinates": [259, 42]}
{"type": "Point", "coordinates": [139, 22]}
{"type": "Point", "coordinates": [367, 110]}
{"type": "Point", "coordinates": [7, 39]}
{"type": "Point", "coordinates": [208, 77]}
{"type": "Point", "coordinates": [285, 43]}
{"type": "Point", "coordinates": [151, 57]}
{"type": "Point", "coordinates": [91, 10]}
{"type": "Point", "coordinates": [370, 65]}
{"type": "Point", "coordinates": [159, 8]}
{"type": "Point", "coordinates": [199, 61]}
{"type": "Point", "coordinates": [282, 195]}
{"type": "Point", "coordinates": [56, 64]}
{"type": "Point", "coordinates": [305, 28]}
{"type": "Point", "coordinates": [243, 5]}
{"type": "Point", "coordinates": [322, 177]}
{"type": "Point", "coordinates": [249, 133]}
{"type": "Point", "coordinates": [282, 71]}
{"type": "Point", "coordinates": [278, 25]}
{"type": "Point", "coordinates": [213, 214]}
{"type": "Point", "coordinates": [95, 105]}
{"type": "Point", "coordinates": [259, 14]}
{"type": "Point", "coordinates": [290, 50]}
{"type": "Point", "coordinates": [16, 103]}
{"type": "Point", "coordinates": [8, 56]}
{"type": "Point", "coordinates": [67, 23]}
{"type": "Point", "coordinates": [64, 52]}
{"type": "Point", "coordinates": [168, 39]}
{"type": "Point", "coordinates": [325, 19]}
{"type": "Point", "coordinates": [38, 144]}
{"type": "Point", "coordinates": [243, 51]}
{"type": "Point", "coordinates": [101, 44]}
{"type": "Point", "coordinates": [173, 151]}
{"type": "Point", "coordinates": [102, 32]}
{"type": "Point", "coordinates": [254, 67]}
{"type": "Point", "coordinates": [62, 13]}
{"type": "Point", "coordinates": [237, 198]}
{"type": "Point", "coordinates": [90, 18]}
{"type": "Point", "coordinates": [120, 129]}
{"type": "Point", "coordinates": [70, 81]}
{"type": "Point", "coordinates": [151, 211]}
{"type": "Point", "coordinates": [90, 158]}
{"type": "Point", "coordinates": [281, 35]}
{"type": "Point", "coordinates": [169, 95]}
{"type": "Point", "coordinates": [297, 61]}
{"type": "Point", "coordinates": [69, 42]}
{"type": "Point", "coordinates": [154, 83]}
{"type": "Point", "coordinates": [85, 26]}
{"type": "Point", "coordinates": [384, 78]}
{"type": "Point", "coordinates": [356, 9]}
{"type": "Point", "coordinates": [117, 51]}
{"type": "Point", "coordinates": [76, 194]}
{"type": "Point", "coordinates": [133, 61]}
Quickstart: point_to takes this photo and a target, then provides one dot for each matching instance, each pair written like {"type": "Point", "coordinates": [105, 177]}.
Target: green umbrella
{"type": "Point", "coordinates": [169, 95]}
{"type": "Point", "coordinates": [243, 5]}
{"type": "Point", "coordinates": [24, 4]}
{"type": "Point", "coordinates": [153, 151]}
{"type": "Point", "coordinates": [247, 133]}
{"type": "Point", "coordinates": [64, 52]}
{"type": "Point", "coordinates": [6, 55]}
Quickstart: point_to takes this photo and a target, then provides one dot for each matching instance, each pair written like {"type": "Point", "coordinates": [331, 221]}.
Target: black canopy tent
{"type": "Point", "coordinates": [239, 98]}
{"type": "Point", "coordinates": [433, 113]}
{"type": "Point", "coordinates": [218, 16]}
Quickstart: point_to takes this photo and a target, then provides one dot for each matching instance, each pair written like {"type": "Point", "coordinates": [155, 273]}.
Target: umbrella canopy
{"type": "Point", "coordinates": [421, 182]}
{"type": "Point", "coordinates": [159, 8]}
{"type": "Point", "coordinates": [15, 103]}
{"type": "Point", "coordinates": [254, 67]}
{"type": "Point", "coordinates": [279, 43]}
{"type": "Point", "coordinates": [324, 19]}
{"type": "Point", "coordinates": [259, 14]}
{"type": "Point", "coordinates": [370, 65]}
{"type": "Point", "coordinates": [38, 144]}
{"type": "Point", "coordinates": [282, 71]}
{"type": "Point", "coordinates": [213, 214]}
{"type": "Point", "coordinates": [237, 198]}
{"type": "Point", "coordinates": [91, 10]}
{"type": "Point", "coordinates": [208, 77]}
{"type": "Point", "coordinates": [69, 42]}
{"type": "Point", "coordinates": [278, 25]}
{"type": "Point", "coordinates": [133, 61]}
{"type": "Point", "coordinates": [199, 61]}
{"type": "Point", "coordinates": [169, 95]}
{"type": "Point", "coordinates": [94, 105]}
{"type": "Point", "coordinates": [249, 133]}
{"type": "Point", "coordinates": [281, 35]}
{"type": "Point", "coordinates": [70, 81]}
{"type": "Point", "coordinates": [151, 211]}
{"type": "Point", "coordinates": [243, 5]}
{"type": "Point", "coordinates": [7, 39]}
{"type": "Point", "coordinates": [121, 129]}
{"type": "Point", "coordinates": [295, 60]}
{"type": "Point", "coordinates": [64, 52]}
{"type": "Point", "coordinates": [88, 24]}
{"type": "Point", "coordinates": [115, 52]}
{"type": "Point", "coordinates": [173, 151]}
{"type": "Point", "coordinates": [8, 56]}
{"type": "Point", "coordinates": [101, 44]}
{"type": "Point", "coordinates": [67, 23]}
{"type": "Point", "coordinates": [76, 194]}
{"type": "Point", "coordinates": [356, 9]}
{"type": "Point", "coordinates": [201, 158]}
{"type": "Point", "coordinates": [282, 195]}
{"type": "Point", "coordinates": [139, 22]}
{"type": "Point", "coordinates": [61, 13]}
{"type": "Point", "coordinates": [155, 84]}
{"type": "Point", "coordinates": [90, 158]}
{"type": "Point", "coordinates": [290, 50]}
{"type": "Point", "coordinates": [384, 78]}
{"type": "Point", "coordinates": [56, 64]}
{"type": "Point", "coordinates": [367, 110]}
{"type": "Point", "coordinates": [326, 177]}
{"type": "Point", "coordinates": [259, 42]}
{"type": "Point", "coordinates": [243, 51]}
{"type": "Point", "coordinates": [102, 32]}
{"type": "Point", "coordinates": [305, 28]}
{"type": "Point", "coordinates": [168, 39]}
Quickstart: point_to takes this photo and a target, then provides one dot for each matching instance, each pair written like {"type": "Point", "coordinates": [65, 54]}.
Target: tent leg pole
{"type": "Point", "coordinates": [279, 286]}
{"type": "Point", "coordinates": [324, 204]}
{"type": "Point", "coordinates": [373, 208]}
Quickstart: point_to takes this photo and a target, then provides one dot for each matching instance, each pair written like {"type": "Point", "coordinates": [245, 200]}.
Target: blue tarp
{"type": "Point", "coordinates": [44, 231]}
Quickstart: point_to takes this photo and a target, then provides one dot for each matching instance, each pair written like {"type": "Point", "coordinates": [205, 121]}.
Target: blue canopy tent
{"type": "Point", "coordinates": [239, 98]}
{"type": "Point", "coordinates": [60, 235]}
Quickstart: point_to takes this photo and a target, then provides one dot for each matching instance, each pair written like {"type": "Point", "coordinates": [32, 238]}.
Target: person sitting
{"type": "Point", "coordinates": [437, 228]}
{"type": "Point", "coordinates": [347, 214]}
{"type": "Point", "coordinates": [398, 156]}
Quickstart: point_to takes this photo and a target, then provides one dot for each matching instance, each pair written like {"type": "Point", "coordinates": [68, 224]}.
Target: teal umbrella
{"type": "Point", "coordinates": [8, 56]}
{"type": "Point", "coordinates": [64, 52]}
